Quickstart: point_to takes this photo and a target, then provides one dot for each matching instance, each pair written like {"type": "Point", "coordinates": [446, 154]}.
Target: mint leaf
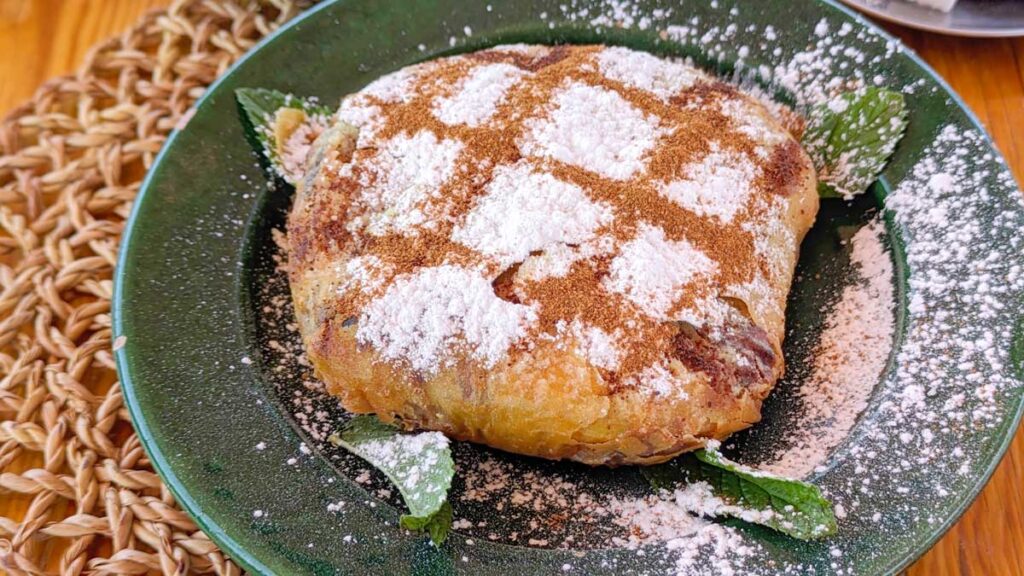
{"type": "Point", "coordinates": [851, 138]}
{"type": "Point", "coordinates": [419, 465]}
{"type": "Point", "coordinates": [437, 525]}
{"type": "Point", "coordinates": [261, 107]}
{"type": "Point", "coordinates": [790, 506]}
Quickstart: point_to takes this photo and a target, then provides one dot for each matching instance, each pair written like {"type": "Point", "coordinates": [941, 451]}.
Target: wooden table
{"type": "Point", "coordinates": [43, 38]}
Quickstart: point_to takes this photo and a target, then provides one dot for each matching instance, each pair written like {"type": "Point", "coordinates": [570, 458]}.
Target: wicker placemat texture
{"type": "Point", "coordinates": [72, 160]}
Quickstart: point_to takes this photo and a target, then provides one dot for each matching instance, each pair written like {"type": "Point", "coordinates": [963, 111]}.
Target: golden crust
{"type": "Point", "coordinates": [548, 400]}
{"type": "Point", "coordinates": [548, 403]}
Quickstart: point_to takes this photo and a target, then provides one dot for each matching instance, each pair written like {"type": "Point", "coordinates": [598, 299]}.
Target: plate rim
{"type": "Point", "coordinates": [236, 550]}
{"type": "Point", "coordinates": [867, 8]}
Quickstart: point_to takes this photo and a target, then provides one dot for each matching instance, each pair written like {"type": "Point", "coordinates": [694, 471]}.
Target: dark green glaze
{"type": "Point", "coordinates": [195, 253]}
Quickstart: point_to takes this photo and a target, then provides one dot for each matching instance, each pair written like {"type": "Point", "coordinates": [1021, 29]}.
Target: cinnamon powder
{"type": "Point", "coordinates": [691, 127]}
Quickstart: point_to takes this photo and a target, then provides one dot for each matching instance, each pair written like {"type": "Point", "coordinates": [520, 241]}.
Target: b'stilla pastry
{"type": "Point", "coordinates": [572, 252]}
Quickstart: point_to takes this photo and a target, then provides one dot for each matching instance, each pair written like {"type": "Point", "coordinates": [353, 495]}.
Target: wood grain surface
{"type": "Point", "coordinates": [43, 38]}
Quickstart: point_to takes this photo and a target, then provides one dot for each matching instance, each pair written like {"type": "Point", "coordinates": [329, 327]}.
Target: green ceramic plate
{"type": "Point", "coordinates": [196, 275]}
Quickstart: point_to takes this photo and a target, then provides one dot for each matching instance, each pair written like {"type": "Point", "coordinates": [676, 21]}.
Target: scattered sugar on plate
{"type": "Point", "coordinates": [943, 209]}
{"type": "Point", "coordinates": [850, 356]}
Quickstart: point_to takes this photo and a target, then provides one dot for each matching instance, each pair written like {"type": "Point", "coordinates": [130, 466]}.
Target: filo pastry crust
{"type": "Point", "coordinates": [573, 252]}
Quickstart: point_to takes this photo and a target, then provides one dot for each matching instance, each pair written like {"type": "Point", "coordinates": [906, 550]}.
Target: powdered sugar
{"type": "Point", "coordinates": [556, 260]}
{"type": "Point", "coordinates": [756, 126]}
{"type": "Point", "coordinates": [362, 109]}
{"type": "Point", "coordinates": [532, 50]}
{"type": "Point", "coordinates": [717, 185]}
{"type": "Point", "coordinates": [594, 344]}
{"type": "Point", "coordinates": [553, 262]}
{"type": "Point", "coordinates": [965, 284]}
{"type": "Point", "coordinates": [669, 517]}
{"type": "Point", "coordinates": [650, 270]}
{"type": "Point", "coordinates": [298, 145]}
{"type": "Point", "coordinates": [655, 518]}
{"type": "Point", "coordinates": [405, 173]}
{"type": "Point", "coordinates": [455, 185]}
{"type": "Point", "coordinates": [694, 499]}
{"type": "Point", "coordinates": [524, 211]}
{"type": "Point", "coordinates": [772, 238]}
{"type": "Point", "coordinates": [658, 380]}
{"type": "Point", "coordinates": [850, 356]}
{"type": "Point", "coordinates": [356, 111]}
{"type": "Point", "coordinates": [664, 78]}
{"type": "Point", "coordinates": [420, 316]}
{"type": "Point", "coordinates": [394, 87]}
{"type": "Point", "coordinates": [942, 200]}
{"type": "Point", "coordinates": [710, 311]}
{"type": "Point", "coordinates": [477, 96]}
{"type": "Point", "coordinates": [595, 129]}
{"type": "Point", "coordinates": [410, 457]}
{"type": "Point", "coordinates": [364, 273]}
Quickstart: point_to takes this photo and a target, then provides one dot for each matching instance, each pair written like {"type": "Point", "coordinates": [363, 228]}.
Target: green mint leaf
{"type": "Point", "coordinates": [851, 137]}
{"type": "Point", "coordinates": [790, 506]}
{"type": "Point", "coordinates": [437, 525]}
{"type": "Point", "coordinates": [419, 465]}
{"type": "Point", "coordinates": [261, 106]}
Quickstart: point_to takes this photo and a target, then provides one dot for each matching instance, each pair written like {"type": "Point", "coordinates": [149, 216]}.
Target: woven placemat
{"type": "Point", "coordinates": [84, 496]}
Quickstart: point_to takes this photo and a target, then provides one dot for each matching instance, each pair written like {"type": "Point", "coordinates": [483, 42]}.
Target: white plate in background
{"type": "Point", "coordinates": [979, 18]}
